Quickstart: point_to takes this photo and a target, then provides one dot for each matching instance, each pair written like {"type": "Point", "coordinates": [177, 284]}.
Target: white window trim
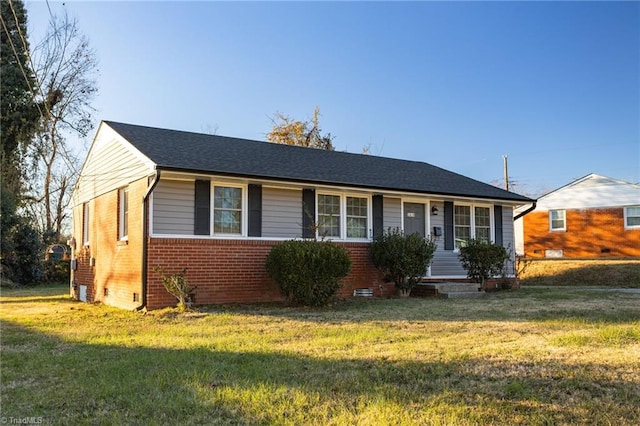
{"type": "Point", "coordinates": [626, 215]}
{"type": "Point", "coordinates": [564, 227]}
{"type": "Point", "coordinates": [343, 216]}
{"type": "Point", "coordinates": [244, 214]}
{"type": "Point", "coordinates": [472, 233]}
{"type": "Point", "coordinates": [86, 211]}
{"type": "Point", "coordinates": [122, 236]}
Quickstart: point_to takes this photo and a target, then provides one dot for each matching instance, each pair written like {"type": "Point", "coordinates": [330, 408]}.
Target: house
{"type": "Point", "coordinates": [592, 217]}
{"type": "Point", "coordinates": [149, 198]}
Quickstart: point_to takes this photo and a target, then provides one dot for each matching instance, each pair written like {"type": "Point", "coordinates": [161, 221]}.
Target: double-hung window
{"type": "Point", "coordinates": [227, 210]}
{"type": "Point", "coordinates": [85, 224]}
{"type": "Point", "coordinates": [343, 216]}
{"type": "Point", "coordinates": [123, 213]}
{"type": "Point", "coordinates": [329, 216]}
{"type": "Point", "coordinates": [557, 220]}
{"type": "Point", "coordinates": [471, 222]}
{"type": "Point", "coordinates": [632, 217]}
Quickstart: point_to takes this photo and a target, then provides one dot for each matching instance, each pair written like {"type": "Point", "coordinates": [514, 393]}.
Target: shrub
{"type": "Point", "coordinates": [178, 286]}
{"type": "Point", "coordinates": [403, 259]}
{"type": "Point", "coordinates": [308, 272]}
{"type": "Point", "coordinates": [483, 260]}
{"type": "Point", "coordinates": [56, 271]}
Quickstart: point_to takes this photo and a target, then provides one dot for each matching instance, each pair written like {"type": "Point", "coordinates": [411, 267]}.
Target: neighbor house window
{"type": "Point", "coordinates": [632, 217]}
{"type": "Point", "coordinates": [462, 225]}
{"type": "Point", "coordinates": [123, 213]}
{"type": "Point", "coordinates": [557, 220]}
{"type": "Point", "coordinates": [357, 218]}
{"type": "Point", "coordinates": [329, 215]}
{"type": "Point", "coordinates": [85, 224]}
{"type": "Point", "coordinates": [227, 210]}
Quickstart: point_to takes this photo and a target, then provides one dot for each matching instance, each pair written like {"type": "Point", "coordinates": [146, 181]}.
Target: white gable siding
{"type": "Point", "coordinates": [281, 213]}
{"type": "Point", "coordinates": [173, 207]}
{"type": "Point", "coordinates": [111, 163]}
{"type": "Point", "coordinates": [593, 191]}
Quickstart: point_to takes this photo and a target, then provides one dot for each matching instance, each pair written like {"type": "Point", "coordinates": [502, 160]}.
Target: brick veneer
{"type": "Point", "coordinates": [229, 271]}
{"type": "Point", "coordinates": [588, 233]}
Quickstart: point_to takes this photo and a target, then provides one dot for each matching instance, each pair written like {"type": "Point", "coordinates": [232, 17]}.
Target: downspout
{"type": "Point", "coordinates": [145, 242]}
{"type": "Point", "coordinates": [529, 210]}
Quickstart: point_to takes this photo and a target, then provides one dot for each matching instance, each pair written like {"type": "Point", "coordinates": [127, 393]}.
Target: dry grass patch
{"type": "Point", "coordinates": [518, 357]}
{"type": "Point", "coordinates": [606, 273]}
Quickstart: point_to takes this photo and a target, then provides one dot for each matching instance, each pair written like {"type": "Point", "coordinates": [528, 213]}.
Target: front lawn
{"type": "Point", "coordinates": [531, 356]}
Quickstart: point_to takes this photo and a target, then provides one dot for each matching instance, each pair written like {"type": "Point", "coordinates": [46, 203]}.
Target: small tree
{"type": "Point", "coordinates": [308, 272]}
{"type": "Point", "coordinates": [403, 259]}
{"type": "Point", "coordinates": [178, 286]}
{"type": "Point", "coordinates": [483, 260]}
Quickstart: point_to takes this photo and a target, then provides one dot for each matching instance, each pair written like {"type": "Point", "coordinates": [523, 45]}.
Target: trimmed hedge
{"type": "Point", "coordinates": [308, 272]}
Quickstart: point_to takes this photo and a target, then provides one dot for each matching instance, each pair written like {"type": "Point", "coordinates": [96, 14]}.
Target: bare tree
{"type": "Point", "coordinates": [65, 71]}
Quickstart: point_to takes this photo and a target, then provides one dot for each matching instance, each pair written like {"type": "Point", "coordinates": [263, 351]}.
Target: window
{"type": "Point", "coordinates": [462, 225]}
{"type": "Point", "coordinates": [471, 222]}
{"type": "Point", "coordinates": [227, 210]}
{"type": "Point", "coordinates": [357, 217]}
{"type": "Point", "coordinates": [483, 223]}
{"type": "Point", "coordinates": [123, 213]}
{"type": "Point", "coordinates": [632, 217]}
{"type": "Point", "coordinates": [85, 224]}
{"type": "Point", "coordinates": [557, 220]}
{"type": "Point", "coordinates": [329, 215]}
{"type": "Point", "coordinates": [343, 216]}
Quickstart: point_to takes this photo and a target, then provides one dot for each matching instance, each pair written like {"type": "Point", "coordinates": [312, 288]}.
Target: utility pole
{"type": "Point", "coordinates": [506, 173]}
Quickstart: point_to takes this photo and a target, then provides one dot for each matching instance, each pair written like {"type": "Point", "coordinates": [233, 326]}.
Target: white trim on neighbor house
{"type": "Point", "coordinates": [564, 220]}
{"type": "Point", "coordinates": [636, 214]}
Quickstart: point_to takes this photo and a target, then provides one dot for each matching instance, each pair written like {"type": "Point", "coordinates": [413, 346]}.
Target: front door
{"type": "Point", "coordinates": [414, 219]}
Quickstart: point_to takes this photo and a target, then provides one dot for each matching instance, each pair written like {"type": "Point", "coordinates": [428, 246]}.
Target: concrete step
{"type": "Point", "coordinates": [445, 287]}
{"type": "Point", "coordinates": [462, 294]}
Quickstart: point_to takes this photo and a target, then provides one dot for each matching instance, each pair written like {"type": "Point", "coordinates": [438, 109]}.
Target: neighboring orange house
{"type": "Point", "coordinates": [592, 217]}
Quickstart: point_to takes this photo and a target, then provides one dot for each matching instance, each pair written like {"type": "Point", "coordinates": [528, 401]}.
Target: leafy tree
{"type": "Point", "coordinates": [483, 260]}
{"type": "Point", "coordinates": [66, 72]}
{"type": "Point", "coordinates": [402, 258]}
{"type": "Point", "coordinates": [20, 243]}
{"type": "Point", "coordinates": [288, 131]}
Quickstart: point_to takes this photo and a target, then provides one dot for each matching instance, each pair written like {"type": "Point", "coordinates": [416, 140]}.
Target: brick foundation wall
{"type": "Point", "coordinates": [230, 271]}
{"type": "Point", "coordinates": [116, 273]}
{"type": "Point", "coordinates": [590, 233]}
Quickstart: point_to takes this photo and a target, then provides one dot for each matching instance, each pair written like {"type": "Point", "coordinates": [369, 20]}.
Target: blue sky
{"type": "Point", "coordinates": [555, 86]}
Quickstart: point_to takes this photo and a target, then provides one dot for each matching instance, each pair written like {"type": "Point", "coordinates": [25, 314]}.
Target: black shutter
{"type": "Point", "coordinates": [497, 220]}
{"type": "Point", "coordinates": [202, 208]}
{"type": "Point", "coordinates": [448, 225]}
{"type": "Point", "coordinates": [255, 210]}
{"type": "Point", "coordinates": [378, 220]}
{"type": "Point", "coordinates": [308, 213]}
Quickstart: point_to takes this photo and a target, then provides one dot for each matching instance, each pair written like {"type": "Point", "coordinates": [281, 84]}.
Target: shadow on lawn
{"type": "Point", "coordinates": [80, 382]}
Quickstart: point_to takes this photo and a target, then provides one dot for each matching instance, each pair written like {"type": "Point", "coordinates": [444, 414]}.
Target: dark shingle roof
{"type": "Point", "coordinates": [194, 152]}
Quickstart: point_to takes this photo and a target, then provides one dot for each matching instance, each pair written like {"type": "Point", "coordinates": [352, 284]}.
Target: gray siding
{"type": "Point", "coordinates": [392, 213]}
{"type": "Point", "coordinates": [281, 213]}
{"type": "Point", "coordinates": [173, 207]}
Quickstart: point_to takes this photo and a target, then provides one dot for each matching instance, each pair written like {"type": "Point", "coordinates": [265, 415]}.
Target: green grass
{"type": "Point", "coordinates": [516, 357]}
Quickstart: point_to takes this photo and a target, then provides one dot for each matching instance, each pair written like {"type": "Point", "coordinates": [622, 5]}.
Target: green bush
{"type": "Point", "coordinates": [308, 272]}
{"type": "Point", "coordinates": [56, 271]}
{"type": "Point", "coordinates": [403, 259]}
{"type": "Point", "coordinates": [178, 286]}
{"type": "Point", "coordinates": [483, 260]}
